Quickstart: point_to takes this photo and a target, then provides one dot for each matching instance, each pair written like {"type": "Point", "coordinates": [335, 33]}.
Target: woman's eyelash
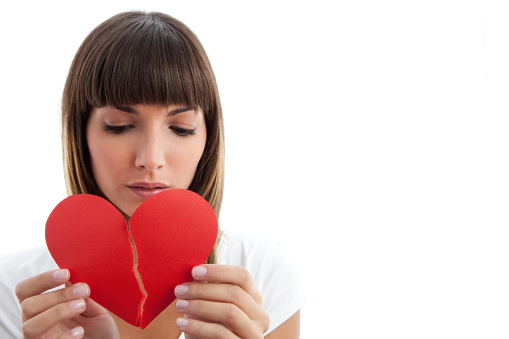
{"type": "Point", "coordinates": [116, 129]}
{"type": "Point", "coordinates": [183, 131]}
{"type": "Point", "coordinates": [123, 128]}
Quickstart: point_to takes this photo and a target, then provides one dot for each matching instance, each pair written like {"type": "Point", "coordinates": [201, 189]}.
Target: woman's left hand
{"type": "Point", "coordinates": [222, 302]}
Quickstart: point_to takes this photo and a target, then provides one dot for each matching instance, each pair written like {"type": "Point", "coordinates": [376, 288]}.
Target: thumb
{"type": "Point", "coordinates": [93, 309]}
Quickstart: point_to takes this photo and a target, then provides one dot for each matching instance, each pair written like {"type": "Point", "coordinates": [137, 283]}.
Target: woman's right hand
{"type": "Point", "coordinates": [64, 313]}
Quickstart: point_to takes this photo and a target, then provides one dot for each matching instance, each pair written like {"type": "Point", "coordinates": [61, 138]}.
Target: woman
{"type": "Point", "coordinates": [141, 114]}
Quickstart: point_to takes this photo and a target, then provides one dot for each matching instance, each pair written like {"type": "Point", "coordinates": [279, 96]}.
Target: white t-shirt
{"type": "Point", "coordinates": [274, 274]}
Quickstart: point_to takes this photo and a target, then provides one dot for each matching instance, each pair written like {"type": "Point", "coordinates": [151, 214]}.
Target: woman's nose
{"type": "Point", "coordinates": [150, 154]}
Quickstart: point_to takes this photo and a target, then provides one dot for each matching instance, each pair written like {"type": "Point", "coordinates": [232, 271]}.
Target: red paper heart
{"type": "Point", "coordinates": [172, 232]}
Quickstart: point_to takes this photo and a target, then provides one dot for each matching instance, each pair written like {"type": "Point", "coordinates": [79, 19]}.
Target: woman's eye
{"type": "Point", "coordinates": [182, 131]}
{"type": "Point", "coordinates": [116, 129]}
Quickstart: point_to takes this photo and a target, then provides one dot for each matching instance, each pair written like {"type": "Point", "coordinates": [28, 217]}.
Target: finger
{"type": "Point", "coordinates": [48, 319]}
{"type": "Point", "coordinates": [76, 332]}
{"type": "Point", "coordinates": [32, 306]}
{"type": "Point", "coordinates": [93, 309]}
{"type": "Point", "coordinates": [228, 274]}
{"type": "Point", "coordinates": [227, 314]}
{"type": "Point", "coordinates": [202, 329]}
{"type": "Point", "coordinates": [225, 293]}
{"type": "Point", "coordinates": [41, 283]}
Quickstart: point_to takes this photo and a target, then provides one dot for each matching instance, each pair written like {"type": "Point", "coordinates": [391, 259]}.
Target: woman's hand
{"type": "Point", "coordinates": [64, 313]}
{"type": "Point", "coordinates": [222, 302]}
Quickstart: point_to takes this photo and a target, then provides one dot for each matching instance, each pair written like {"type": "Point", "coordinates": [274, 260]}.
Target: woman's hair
{"type": "Point", "coordinates": [142, 58]}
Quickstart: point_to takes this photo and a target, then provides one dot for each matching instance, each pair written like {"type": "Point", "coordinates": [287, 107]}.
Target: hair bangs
{"type": "Point", "coordinates": [148, 63]}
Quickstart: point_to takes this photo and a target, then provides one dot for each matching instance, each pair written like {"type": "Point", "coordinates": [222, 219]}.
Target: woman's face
{"type": "Point", "coordinates": [140, 150]}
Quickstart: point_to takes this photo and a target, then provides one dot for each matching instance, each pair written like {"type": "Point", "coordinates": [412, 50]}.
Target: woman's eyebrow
{"type": "Point", "coordinates": [178, 110]}
{"type": "Point", "coordinates": [127, 110]}
{"type": "Point", "coordinates": [171, 113]}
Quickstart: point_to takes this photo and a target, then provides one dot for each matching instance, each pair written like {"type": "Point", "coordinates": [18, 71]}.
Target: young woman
{"type": "Point", "coordinates": [141, 114]}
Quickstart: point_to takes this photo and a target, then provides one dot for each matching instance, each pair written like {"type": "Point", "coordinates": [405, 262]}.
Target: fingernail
{"type": "Point", "coordinates": [181, 290]}
{"type": "Point", "coordinates": [77, 332]}
{"type": "Point", "coordinates": [199, 271]}
{"type": "Point", "coordinates": [61, 275]}
{"type": "Point", "coordinates": [77, 304]}
{"type": "Point", "coordinates": [181, 323]}
{"type": "Point", "coordinates": [80, 291]}
{"type": "Point", "coordinates": [181, 303]}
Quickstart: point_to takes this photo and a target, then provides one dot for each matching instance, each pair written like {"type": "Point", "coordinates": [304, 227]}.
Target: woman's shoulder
{"type": "Point", "coordinates": [242, 248]}
{"type": "Point", "coordinates": [15, 267]}
{"type": "Point", "coordinates": [255, 252]}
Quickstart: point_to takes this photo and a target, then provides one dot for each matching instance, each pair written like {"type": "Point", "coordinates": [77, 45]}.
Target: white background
{"type": "Point", "coordinates": [370, 138]}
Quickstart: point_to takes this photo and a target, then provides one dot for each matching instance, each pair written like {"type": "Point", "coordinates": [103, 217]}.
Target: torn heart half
{"type": "Point", "coordinates": [132, 268]}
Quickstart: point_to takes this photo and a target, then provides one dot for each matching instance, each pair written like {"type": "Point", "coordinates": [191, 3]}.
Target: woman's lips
{"type": "Point", "coordinates": [146, 189]}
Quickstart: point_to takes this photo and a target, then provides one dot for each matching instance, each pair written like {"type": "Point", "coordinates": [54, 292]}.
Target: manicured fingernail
{"type": "Point", "coordinates": [181, 303]}
{"type": "Point", "coordinates": [181, 290]}
{"type": "Point", "coordinates": [77, 332]}
{"type": "Point", "coordinates": [80, 291]}
{"type": "Point", "coordinates": [61, 275]}
{"type": "Point", "coordinates": [199, 271]}
{"type": "Point", "coordinates": [181, 323]}
{"type": "Point", "coordinates": [77, 304]}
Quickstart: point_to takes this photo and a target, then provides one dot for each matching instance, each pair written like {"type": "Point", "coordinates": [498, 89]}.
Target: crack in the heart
{"type": "Point", "coordinates": [138, 277]}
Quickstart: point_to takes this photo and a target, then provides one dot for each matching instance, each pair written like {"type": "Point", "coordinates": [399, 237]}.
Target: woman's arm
{"type": "Point", "coordinates": [290, 329]}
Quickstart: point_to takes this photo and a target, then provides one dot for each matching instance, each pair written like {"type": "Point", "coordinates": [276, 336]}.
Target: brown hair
{"type": "Point", "coordinates": [142, 58]}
